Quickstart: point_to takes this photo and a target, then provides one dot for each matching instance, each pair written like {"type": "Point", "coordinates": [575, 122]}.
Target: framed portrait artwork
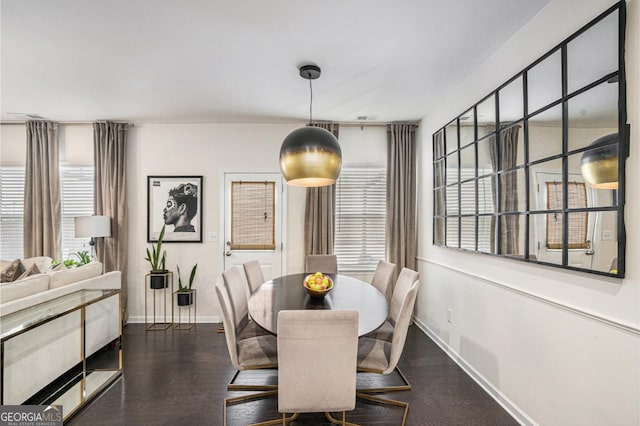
{"type": "Point", "coordinates": [175, 201]}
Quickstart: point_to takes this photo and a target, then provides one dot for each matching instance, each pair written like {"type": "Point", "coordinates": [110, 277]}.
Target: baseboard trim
{"type": "Point", "coordinates": [626, 327]}
{"type": "Point", "coordinates": [511, 408]}
{"type": "Point", "coordinates": [200, 319]}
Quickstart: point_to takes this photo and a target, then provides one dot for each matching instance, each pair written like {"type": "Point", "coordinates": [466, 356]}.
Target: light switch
{"type": "Point", "coordinates": [212, 237]}
{"type": "Point", "coordinates": [607, 235]}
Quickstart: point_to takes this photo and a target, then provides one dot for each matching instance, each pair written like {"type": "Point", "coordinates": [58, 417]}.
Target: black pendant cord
{"type": "Point", "coordinates": [310, 103]}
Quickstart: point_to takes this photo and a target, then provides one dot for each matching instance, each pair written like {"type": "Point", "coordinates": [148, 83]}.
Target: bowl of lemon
{"type": "Point", "coordinates": [318, 284]}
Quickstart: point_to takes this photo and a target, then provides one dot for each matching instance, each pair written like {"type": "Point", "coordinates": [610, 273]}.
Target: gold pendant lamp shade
{"type": "Point", "coordinates": [310, 156]}
{"type": "Point", "coordinates": [599, 165]}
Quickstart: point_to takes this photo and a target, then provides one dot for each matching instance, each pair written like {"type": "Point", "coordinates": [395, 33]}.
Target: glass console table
{"type": "Point", "coordinates": [63, 351]}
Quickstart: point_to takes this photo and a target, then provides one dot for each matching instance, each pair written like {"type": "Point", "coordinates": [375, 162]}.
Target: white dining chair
{"type": "Point", "coordinates": [325, 263]}
{"type": "Point", "coordinates": [253, 272]}
{"type": "Point", "coordinates": [234, 283]}
{"type": "Point", "coordinates": [406, 278]}
{"type": "Point", "coordinates": [381, 357]}
{"type": "Point", "coordinates": [383, 278]}
{"type": "Point", "coordinates": [258, 352]}
{"type": "Point", "coordinates": [317, 362]}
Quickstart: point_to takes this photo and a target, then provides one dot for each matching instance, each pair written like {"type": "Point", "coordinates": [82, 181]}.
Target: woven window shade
{"type": "Point", "coordinates": [252, 215]}
{"type": "Point", "coordinates": [577, 198]}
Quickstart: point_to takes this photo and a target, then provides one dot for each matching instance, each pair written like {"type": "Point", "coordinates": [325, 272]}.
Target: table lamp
{"type": "Point", "coordinates": [93, 227]}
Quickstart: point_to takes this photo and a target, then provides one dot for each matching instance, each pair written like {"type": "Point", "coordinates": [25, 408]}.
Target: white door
{"type": "Point", "coordinates": [579, 257]}
{"type": "Point", "coordinates": [253, 221]}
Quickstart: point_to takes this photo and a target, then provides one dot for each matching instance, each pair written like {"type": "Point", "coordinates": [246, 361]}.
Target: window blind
{"type": "Point", "coordinates": [360, 217]}
{"type": "Point", "coordinates": [11, 212]}
{"type": "Point", "coordinates": [76, 187]}
{"type": "Point", "coordinates": [253, 215]}
{"type": "Point", "coordinates": [577, 198]}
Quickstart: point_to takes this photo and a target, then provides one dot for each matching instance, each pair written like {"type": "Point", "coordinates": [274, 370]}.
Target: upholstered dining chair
{"type": "Point", "coordinates": [258, 352]}
{"type": "Point", "coordinates": [406, 278]}
{"type": "Point", "coordinates": [326, 263]}
{"type": "Point", "coordinates": [234, 283]}
{"type": "Point", "coordinates": [317, 362]}
{"type": "Point", "coordinates": [381, 357]}
{"type": "Point", "coordinates": [253, 272]}
{"type": "Point", "coordinates": [383, 278]}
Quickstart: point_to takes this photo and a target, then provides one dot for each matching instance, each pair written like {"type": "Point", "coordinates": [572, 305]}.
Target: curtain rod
{"type": "Point", "coordinates": [66, 123]}
{"type": "Point", "coordinates": [374, 124]}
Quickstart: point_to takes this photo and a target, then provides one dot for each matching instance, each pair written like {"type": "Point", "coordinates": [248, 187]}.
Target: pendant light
{"type": "Point", "coordinates": [599, 165]}
{"type": "Point", "coordinates": [310, 156]}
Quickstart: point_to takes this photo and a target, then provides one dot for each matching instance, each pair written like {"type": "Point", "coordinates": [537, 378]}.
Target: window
{"type": "Point", "coordinates": [360, 217]}
{"type": "Point", "coordinates": [76, 187]}
{"type": "Point", "coordinates": [11, 212]}
{"type": "Point", "coordinates": [577, 199]}
{"type": "Point", "coordinates": [253, 215]}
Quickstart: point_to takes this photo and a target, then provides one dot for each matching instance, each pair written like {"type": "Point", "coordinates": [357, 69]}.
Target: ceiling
{"type": "Point", "coordinates": [236, 61]}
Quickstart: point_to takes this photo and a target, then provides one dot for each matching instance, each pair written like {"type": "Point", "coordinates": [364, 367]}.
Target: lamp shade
{"type": "Point", "coordinates": [599, 165]}
{"type": "Point", "coordinates": [92, 226]}
{"type": "Point", "coordinates": [310, 156]}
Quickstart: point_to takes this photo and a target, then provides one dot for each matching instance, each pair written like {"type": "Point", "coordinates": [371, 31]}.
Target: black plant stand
{"type": "Point", "coordinates": [155, 325]}
{"type": "Point", "coordinates": [191, 321]}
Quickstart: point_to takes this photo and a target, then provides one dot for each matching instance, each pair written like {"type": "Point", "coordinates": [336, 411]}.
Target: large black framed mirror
{"type": "Point", "coordinates": [536, 170]}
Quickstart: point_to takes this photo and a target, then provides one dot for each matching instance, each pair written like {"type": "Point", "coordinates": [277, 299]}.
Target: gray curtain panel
{"type": "Point", "coordinates": [110, 199]}
{"type": "Point", "coordinates": [401, 196]}
{"type": "Point", "coordinates": [507, 200]}
{"type": "Point", "coordinates": [320, 211]}
{"type": "Point", "coordinates": [42, 191]}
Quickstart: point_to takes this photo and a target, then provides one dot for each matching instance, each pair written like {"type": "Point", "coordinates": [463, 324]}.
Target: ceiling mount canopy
{"type": "Point", "coordinates": [599, 166]}
{"type": "Point", "coordinates": [310, 156]}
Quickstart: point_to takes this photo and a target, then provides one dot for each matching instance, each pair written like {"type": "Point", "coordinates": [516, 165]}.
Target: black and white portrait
{"type": "Point", "coordinates": [175, 201]}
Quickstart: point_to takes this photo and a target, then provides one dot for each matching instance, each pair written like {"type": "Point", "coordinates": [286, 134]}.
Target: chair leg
{"type": "Point", "coordinates": [405, 386]}
{"type": "Point", "coordinates": [386, 401]}
{"type": "Point", "coordinates": [283, 421]}
{"type": "Point", "coordinates": [242, 399]}
{"type": "Point", "coordinates": [335, 421]}
{"type": "Point", "coordinates": [232, 386]}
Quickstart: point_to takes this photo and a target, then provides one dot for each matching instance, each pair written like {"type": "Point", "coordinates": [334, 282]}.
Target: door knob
{"type": "Point", "coordinates": [227, 253]}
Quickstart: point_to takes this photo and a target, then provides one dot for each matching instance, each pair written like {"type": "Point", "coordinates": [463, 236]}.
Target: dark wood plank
{"type": "Point", "coordinates": [179, 377]}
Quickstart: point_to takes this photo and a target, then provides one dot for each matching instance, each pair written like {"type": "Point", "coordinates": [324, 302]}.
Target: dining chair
{"type": "Point", "coordinates": [406, 278]}
{"type": "Point", "coordinates": [253, 272]}
{"type": "Point", "coordinates": [383, 278]}
{"type": "Point", "coordinates": [326, 263]}
{"type": "Point", "coordinates": [234, 283]}
{"type": "Point", "coordinates": [381, 357]}
{"type": "Point", "coordinates": [259, 352]}
{"type": "Point", "coordinates": [317, 362]}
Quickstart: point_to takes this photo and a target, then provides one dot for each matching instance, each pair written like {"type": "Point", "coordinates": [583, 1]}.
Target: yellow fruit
{"type": "Point", "coordinates": [318, 274]}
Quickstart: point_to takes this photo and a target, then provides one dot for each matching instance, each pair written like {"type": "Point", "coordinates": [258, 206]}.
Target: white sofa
{"type": "Point", "coordinates": [39, 356]}
{"type": "Point", "coordinates": [39, 288]}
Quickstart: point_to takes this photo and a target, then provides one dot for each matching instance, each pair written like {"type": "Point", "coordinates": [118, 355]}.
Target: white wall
{"type": "Point", "coordinates": [555, 347]}
{"type": "Point", "coordinates": [208, 150]}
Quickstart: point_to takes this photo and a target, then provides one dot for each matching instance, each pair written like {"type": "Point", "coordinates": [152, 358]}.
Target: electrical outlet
{"type": "Point", "coordinates": [450, 315]}
{"type": "Point", "coordinates": [607, 235]}
{"type": "Point", "coordinates": [212, 237]}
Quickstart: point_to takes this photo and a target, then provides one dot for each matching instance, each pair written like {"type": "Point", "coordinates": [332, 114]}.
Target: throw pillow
{"type": "Point", "coordinates": [59, 267]}
{"type": "Point", "coordinates": [31, 270]}
{"type": "Point", "coordinates": [12, 272]}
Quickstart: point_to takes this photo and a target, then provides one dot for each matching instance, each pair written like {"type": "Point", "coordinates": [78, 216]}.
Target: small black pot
{"type": "Point", "coordinates": [185, 298]}
{"type": "Point", "coordinates": [158, 279]}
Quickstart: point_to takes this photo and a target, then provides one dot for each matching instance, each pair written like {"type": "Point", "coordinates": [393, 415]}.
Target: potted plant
{"type": "Point", "coordinates": [185, 293]}
{"type": "Point", "coordinates": [157, 258]}
{"type": "Point", "coordinates": [83, 257]}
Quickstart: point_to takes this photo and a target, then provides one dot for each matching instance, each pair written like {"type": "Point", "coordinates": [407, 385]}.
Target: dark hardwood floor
{"type": "Point", "coordinates": [179, 377]}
